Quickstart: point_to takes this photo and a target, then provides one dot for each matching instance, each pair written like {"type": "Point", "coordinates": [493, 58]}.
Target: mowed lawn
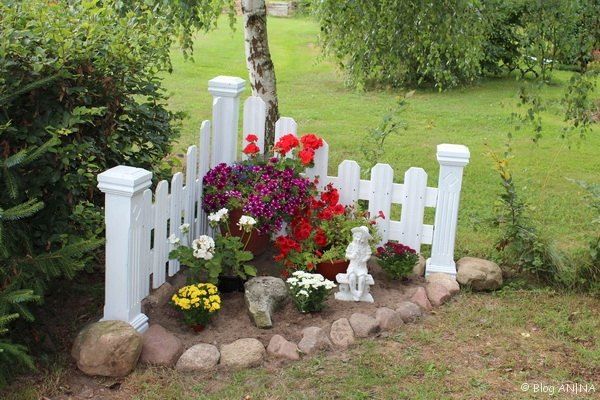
{"type": "Point", "coordinates": [312, 91]}
{"type": "Point", "coordinates": [479, 346]}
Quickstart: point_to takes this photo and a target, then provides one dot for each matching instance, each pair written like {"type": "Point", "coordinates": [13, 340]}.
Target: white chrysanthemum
{"type": "Point", "coordinates": [173, 239]}
{"type": "Point", "coordinates": [303, 293]}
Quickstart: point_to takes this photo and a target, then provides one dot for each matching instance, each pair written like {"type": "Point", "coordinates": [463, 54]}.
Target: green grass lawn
{"type": "Point", "coordinates": [479, 345]}
{"type": "Point", "coordinates": [312, 91]}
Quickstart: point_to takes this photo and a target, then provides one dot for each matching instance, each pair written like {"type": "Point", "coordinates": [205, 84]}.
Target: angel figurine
{"type": "Point", "coordinates": [355, 283]}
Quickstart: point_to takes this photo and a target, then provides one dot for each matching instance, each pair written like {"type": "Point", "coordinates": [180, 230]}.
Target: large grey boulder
{"type": "Point", "coordinates": [160, 347]}
{"type": "Point", "coordinates": [479, 274]}
{"type": "Point", "coordinates": [243, 353]}
{"type": "Point", "coordinates": [264, 295]}
{"type": "Point", "coordinates": [200, 357]}
{"type": "Point", "coordinates": [107, 348]}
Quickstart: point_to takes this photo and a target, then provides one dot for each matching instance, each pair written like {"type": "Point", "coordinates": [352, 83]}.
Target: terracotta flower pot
{"type": "Point", "coordinates": [197, 328]}
{"type": "Point", "coordinates": [257, 242]}
{"type": "Point", "coordinates": [330, 269]}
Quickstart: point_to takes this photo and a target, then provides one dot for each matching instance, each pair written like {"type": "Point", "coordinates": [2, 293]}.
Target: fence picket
{"type": "Point", "coordinates": [191, 162]}
{"type": "Point", "coordinates": [221, 143]}
{"type": "Point", "coordinates": [348, 182]}
{"type": "Point", "coordinates": [321, 161]}
{"type": "Point", "coordinates": [285, 125]}
{"type": "Point", "coordinates": [382, 178]}
{"type": "Point", "coordinates": [413, 208]}
{"type": "Point", "coordinates": [146, 256]}
{"type": "Point", "coordinates": [254, 122]}
{"type": "Point", "coordinates": [175, 216]}
{"type": "Point", "coordinates": [203, 167]}
{"type": "Point", "coordinates": [161, 215]}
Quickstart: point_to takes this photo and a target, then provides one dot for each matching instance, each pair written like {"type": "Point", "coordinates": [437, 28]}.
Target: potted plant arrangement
{"type": "Point", "coordinates": [220, 260]}
{"type": "Point", "coordinates": [396, 259]}
{"type": "Point", "coordinates": [309, 291]}
{"type": "Point", "coordinates": [198, 303]}
{"type": "Point", "coordinates": [268, 189]}
{"type": "Point", "coordinates": [319, 234]}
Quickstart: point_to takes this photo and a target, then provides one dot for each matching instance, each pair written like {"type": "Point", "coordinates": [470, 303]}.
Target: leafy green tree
{"type": "Point", "coordinates": [395, 42]}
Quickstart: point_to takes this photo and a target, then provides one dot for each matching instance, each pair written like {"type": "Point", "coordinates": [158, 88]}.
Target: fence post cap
{"type": "Point", "coordinates": [124, 180]}
{"type": "Point", "coordinates": [226, 86]}
{"type": "Point", "coordinates": [453, 154]}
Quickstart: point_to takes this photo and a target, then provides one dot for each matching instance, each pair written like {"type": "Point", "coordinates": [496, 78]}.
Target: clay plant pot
{"type": "Point", "coordinates": [257, 242]}
{"type": "Point", "coordinates": [330, 269]}
{"type": "Point", "coordinates": [230, 284]}
{"type": "Point", "coordinates": [197, 328]}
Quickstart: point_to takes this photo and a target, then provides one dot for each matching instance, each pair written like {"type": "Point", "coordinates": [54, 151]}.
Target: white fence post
{"type": "Point", "coordinates": [123, 188]}
{"type": "Point", "coordinates": [226, 91]}
{"type": "Point", "coordinates": [452, 159]}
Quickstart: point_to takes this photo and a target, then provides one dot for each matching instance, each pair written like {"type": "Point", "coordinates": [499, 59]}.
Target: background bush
{"type": "Point", "coordinates": [80, 81]}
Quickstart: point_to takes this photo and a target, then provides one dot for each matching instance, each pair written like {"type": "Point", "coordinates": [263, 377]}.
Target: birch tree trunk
{"type": "Point", "coordinates": [259, 63]}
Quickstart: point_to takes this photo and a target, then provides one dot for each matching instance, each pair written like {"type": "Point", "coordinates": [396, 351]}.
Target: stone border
{"type": "Point", "coordinates": [343, 333]}
{"type": "Point", "coordinates": [113, 348]}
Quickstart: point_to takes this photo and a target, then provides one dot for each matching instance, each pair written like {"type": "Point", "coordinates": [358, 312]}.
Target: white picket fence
{"type": "Point", "coordinates": [138, 222]}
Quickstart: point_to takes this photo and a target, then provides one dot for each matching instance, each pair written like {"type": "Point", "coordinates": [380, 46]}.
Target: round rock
{"type": "Point", "coordinates": [160, 347]}
{"type": "Point", "coordinates": [363, 325]}
{"type": "Point", "coordinates": [264, 295]}
{"type": "Point", "coordinates": [107, 348]}
{"type": "Point", "coordinates": [420, 299]}
{"type": "Point", "coordinates": [437, 294]}
{"type": "Point", "coordinates": [388, 319]}
{"type": "Point", "coordinates": [419, 268]}
{"type": "Point", "coordinates": [200, 357]}
{"type": "Point", "coordinates": [445, 280]}
{"type": "Point", "coordinates": [243, 353]}
{"type": "Point", "coordinates": [313, 340]}
{"type": "Point", "coordinates": [479, 274]}
{"type": "Point", "coordinates": [341, 333]}
{"type": "Point", "coordinates": [409, 312]}
{"type": "Point", "coordinates": [280, 347]}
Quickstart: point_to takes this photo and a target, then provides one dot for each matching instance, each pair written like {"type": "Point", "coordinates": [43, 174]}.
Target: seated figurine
{"type": "Point", "coordinates": [355, 283]}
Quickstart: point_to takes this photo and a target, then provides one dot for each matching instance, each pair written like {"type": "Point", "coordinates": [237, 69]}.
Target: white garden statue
{"type": "Point", "coordinates": [356, 282]}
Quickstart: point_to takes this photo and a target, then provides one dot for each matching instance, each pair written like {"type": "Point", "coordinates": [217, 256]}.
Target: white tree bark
{"type": "Point", "coordinates": [259, 63]}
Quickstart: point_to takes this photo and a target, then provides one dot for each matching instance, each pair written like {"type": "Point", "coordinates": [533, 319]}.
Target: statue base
{"type": "Point", "coordinates": [346, 295]}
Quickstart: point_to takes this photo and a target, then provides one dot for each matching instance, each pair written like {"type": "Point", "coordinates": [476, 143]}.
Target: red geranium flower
{"type": "Point", "coordinates": [331, 196]}
{"type": "Point", "coordinates": [321, 238]}
{"type": "Point", "coordinates": [251, 149]}
{"type": "Point", "coordinates": [311, 141]}
{"type": "Point", "coordinates": [381, 214]}
{"type": "Point", "coordinates": [252, 138]}
{"type": "Point", "coordinates": [303, 230]}
{"type": "Point", "coordinates": [306, 156]}
{"type": "Point", "coordinates": [286, 143]}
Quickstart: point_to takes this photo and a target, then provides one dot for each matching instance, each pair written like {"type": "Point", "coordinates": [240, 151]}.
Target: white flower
{"type": "Point", "coordinates": [185, 228]}
{"type": "Point", "coordinates": [218, 216]}
{"type": "Point", "coordinates": [173, 239]}
{"type": "Point", "coordinates": [246, 223]}
{"type": "Point", "coordinates": [303, 293]}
